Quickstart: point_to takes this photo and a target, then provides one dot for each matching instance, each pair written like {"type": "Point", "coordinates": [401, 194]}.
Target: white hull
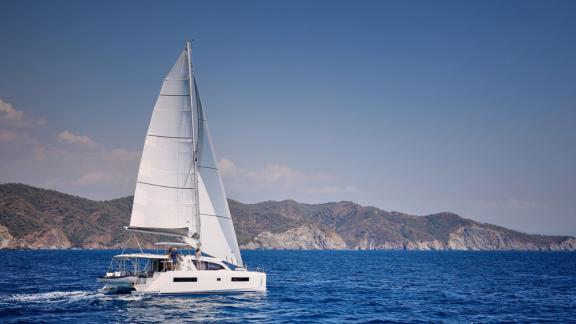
{"type": "Point", "coordinates": [182, 282]}
{"type": "Point", "coordinates": [191, 282]}
{"type": "Point", "coordinates": [179, 278]}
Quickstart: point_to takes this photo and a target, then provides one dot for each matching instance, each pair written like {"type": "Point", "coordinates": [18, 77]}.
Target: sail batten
{"type": "Point", "coordinates": [179, 190]}
{"type": "Point", "coordinates": [159, 185]}
{"type": "Point", "coordinates": [156, 135]}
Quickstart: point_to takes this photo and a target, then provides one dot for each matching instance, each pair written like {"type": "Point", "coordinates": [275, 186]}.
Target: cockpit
{"type": "Point", "coordinates": [168, 258]}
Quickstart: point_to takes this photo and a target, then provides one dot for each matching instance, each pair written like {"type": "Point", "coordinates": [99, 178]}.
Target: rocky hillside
{"type": "Point", "coordinates": [37, 218]}
{"type": "Point", "coordinates": [351, 226]}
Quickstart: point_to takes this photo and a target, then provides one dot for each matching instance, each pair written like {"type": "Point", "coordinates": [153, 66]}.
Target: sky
{"type": "Point", "coordinates": [412, 106]}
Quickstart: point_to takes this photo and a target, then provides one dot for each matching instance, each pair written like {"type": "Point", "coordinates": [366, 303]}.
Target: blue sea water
{"type": "Point", "coordinates": [308, 286]}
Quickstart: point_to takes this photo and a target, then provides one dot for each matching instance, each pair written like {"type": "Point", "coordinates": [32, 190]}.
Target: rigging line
{"type": "Point", "coordinates": [188, 173]}
{"type": "Point", "coordinates": [138, 242]}
{"type": "Point", "coordinates": [181, 109]}
{"type": "Point", "coordinates": [216, 216]}
{"type": "Point", "coordinates": [128, 241]}
{"type": "Point", "coordinates": [171, 187]}
{"type": "Point", "coordinates": [207, 167]}
{"type": "Point", "coordinates": [162, 136]}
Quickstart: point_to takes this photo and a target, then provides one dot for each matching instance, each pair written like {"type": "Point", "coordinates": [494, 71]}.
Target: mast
{"type": "Point", "coordinates": [195, 136]}
{"type": "Point", "coordinates": [179, 181]}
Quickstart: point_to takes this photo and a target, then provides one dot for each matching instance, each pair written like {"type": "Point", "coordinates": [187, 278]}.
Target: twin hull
{"type": "Point", "coordinates": [193, 282]}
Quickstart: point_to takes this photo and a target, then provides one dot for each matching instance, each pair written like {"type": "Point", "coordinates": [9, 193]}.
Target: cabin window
{"type": "Point", "coordinates": [240, 278]}
{"type": "Point", "coordinates": [208, 265]}
{"type": "Point", "coordinates": [212, 266]}
{"type": "Point", "coordinates": [185, 279]}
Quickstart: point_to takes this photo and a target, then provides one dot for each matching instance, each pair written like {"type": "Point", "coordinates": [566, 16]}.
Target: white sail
{"type": "Point", "coordinates": [180, 192]}
{"type": "Point", "coordinates": [164, 200]}
{"type": "Point", "coordinates": [217, 230]}
{"type": "Point", "coordinates": [164, 197]}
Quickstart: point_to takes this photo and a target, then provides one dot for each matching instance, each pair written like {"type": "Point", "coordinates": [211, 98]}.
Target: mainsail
{"type": "Point", "coordinates": [170, 180]}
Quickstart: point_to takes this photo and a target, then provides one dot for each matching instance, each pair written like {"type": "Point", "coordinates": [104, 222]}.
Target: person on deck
{"type": "Point", "coordinates": [198, 255]}
{"type": "Point", "coordinates": [174, 256]}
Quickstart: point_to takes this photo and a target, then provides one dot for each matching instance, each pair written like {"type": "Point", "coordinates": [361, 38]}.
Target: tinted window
{"type": "Point", "coordinates": [212, 266]}
{"type": "Point", "coordinates": [240, 279]}
{"type": "Point", "coordinates": [208, 265]}
{"type": "Point", "coordinates": [186, 279]}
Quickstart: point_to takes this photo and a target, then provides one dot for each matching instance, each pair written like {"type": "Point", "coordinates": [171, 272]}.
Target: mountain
{"type": "Point", "coordinates": [31, 217]}
{"type": "Point", "coordinates": [288, 224]}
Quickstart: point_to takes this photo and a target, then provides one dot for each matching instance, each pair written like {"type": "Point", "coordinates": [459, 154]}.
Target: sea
{"type": "Point", "coordinates": [307, 286]}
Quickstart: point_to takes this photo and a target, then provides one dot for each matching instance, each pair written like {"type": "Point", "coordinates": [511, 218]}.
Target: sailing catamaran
{"type": "Point", "coordinates": [179, 193]}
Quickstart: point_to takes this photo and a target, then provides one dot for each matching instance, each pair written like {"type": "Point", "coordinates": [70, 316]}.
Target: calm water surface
{"type": "Point", "coordinates": [308, 286]}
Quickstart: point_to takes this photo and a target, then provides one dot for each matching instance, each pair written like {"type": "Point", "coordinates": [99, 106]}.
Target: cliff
{"type": "Point", "coordinates": [37, 218]}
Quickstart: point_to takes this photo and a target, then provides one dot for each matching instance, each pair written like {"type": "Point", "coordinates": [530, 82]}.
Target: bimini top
{"type": "Point", "coordinates": [142, 256]}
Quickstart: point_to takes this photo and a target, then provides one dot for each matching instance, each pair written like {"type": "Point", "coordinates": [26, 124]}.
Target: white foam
{"type": "Point", "coordinates": [66, 297]}
{"type": "Point", "coordinates": [54, 296]}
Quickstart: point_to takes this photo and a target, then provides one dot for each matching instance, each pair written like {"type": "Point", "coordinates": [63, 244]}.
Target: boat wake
{"type": "Point", "coordinates": [65, 297]}
{"type": "Point", "coordinates": [53, 296]}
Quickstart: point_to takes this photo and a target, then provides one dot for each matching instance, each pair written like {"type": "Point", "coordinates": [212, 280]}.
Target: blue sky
{"type": "Point", "coordinates": [414, 106]}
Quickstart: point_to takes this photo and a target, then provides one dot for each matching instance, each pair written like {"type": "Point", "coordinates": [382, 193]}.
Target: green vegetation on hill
{"type": "Point", "coordinates": [36, 217]}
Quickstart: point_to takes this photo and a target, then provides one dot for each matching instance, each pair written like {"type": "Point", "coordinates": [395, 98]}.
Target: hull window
{"type": "Point", "coordinates": [240, 279]}
{"type": "Point", "coordinates": [189, 279]}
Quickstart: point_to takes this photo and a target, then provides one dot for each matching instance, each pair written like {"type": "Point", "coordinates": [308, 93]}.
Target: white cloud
{"type": "Point", "coordinates": [7, 112]}
{"type": "Point", "coordinates": [12, 117]}
{"type": "Point", "coordinates": [92, 178]}
{"type": "Point", "coordinates": [18, 132]}
{"type": "Point", "coordinates": [77, 164]}
{"type": "Point", "coordinates": [66, 136]}
{"type": "Point", "coordinates": [276, 181]}
{"type": "Point", "coordinates": [30, 153]}
{"type": "Point", "coordinates": [226, 166]}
